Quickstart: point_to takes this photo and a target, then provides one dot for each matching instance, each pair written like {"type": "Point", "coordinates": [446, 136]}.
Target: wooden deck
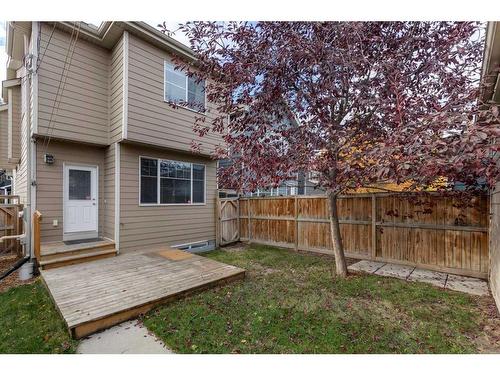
{"type": "Point", "coordinates": [59, 254]}
{"type": "Point", "coordinates": [98, 294]}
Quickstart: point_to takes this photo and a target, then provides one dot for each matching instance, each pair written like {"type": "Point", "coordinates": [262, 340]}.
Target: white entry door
{"type": "Point", "coordinates": [80, 202]}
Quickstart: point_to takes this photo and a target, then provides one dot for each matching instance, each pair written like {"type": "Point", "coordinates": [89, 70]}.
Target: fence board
{"type": "Point", "coordinates": [10, 223]}
{"type": "Point", "coordinates": [429, 231]}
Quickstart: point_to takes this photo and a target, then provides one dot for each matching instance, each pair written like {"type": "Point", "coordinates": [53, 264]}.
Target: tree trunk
{"type": "Point", "coordinates": [338, 248]}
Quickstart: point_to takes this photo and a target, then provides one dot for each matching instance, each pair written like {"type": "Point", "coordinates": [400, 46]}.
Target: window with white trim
{"type": "Point", "coordinates": [171, 182]}
{"type": "Point", "coordinates": [183, 90]}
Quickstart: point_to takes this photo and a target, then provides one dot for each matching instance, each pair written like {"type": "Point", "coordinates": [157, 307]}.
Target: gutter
{"type": "Point", "coordinates": [491, 61]}
{"type": "Point", "coordinates": [8, 83]}
{"type": "Point", "coordinates": [167, 41]}
{"type": "Point", "coordinates": [104, 33]}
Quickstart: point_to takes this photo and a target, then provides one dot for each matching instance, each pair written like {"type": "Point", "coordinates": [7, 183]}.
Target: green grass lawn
{"type": "Point", "coordinates": [290, 303]}
{"type": "Point", "coordinates": [29, 322]}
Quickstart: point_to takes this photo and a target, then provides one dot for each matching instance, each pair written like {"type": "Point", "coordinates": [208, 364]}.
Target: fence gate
{"type": "Point", "coordinates": [228, 220]}
{"type": "Point", "coordinates": [10, 223]}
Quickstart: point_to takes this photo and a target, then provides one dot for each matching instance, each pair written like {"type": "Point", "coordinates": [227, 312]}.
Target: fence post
{"type": "Point", "coordinates": [296, 224]}
{"type": "Point", "coordinates": [249, 214]}
{"type": "Point", "coordinates": [15, 224]}
{"type": "Point", "coordinates": [374, 227]}
{"type": "Point", "coordinates": [37, 217]}
{"type": "Point", "coordinates": [238, 224]}
{"type": "Point", "coordinates": [217, 222]}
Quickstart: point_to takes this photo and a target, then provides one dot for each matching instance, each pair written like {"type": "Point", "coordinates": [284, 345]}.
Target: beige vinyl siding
{"type": "Point", "coordinates": [116, 92]}
{"type": "Point", "coordinates": [109, 192]}
{"type": "Point", "coordinates": [4, 137]}
{"type": "Point", "coordinates": [495, 244]}
{"type": "Point", "coordinates": [80, 111]}
{"type": "Point", "coordinates": [15, 127]}
{"type": "Point", "coordinates": [150, 119]}
{"type": "Point", "coordinates": [21, 177]}
{"type": "Point", "coordinates": [50, 183]}
{"type": "Point", "coordinates": [169, 225]}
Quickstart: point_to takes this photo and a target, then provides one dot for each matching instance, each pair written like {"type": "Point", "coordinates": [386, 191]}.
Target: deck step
{"type": "Point", "coordinates": [80, 249]}
{"type": "Point", "coordinates": [77, 256]}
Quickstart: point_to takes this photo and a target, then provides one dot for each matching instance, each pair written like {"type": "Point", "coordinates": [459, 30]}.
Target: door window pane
{"type": "Point", "coordinates": [80, 183]}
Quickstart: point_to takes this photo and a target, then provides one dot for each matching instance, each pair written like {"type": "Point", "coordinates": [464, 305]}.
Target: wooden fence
{"type": "Point", "coordinates": [428, 231]}
{"type": "Point", "coordinates": [10, 223]}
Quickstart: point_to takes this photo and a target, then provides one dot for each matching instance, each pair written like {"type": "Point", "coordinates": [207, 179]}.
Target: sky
{"type": "Point", "coordinates": [3, 56]}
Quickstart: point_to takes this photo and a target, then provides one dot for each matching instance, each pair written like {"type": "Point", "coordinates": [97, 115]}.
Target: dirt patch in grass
{"type": "Point", "coordinates": [292, 303]}
{"type": "Point", "coordinates": [488, 341]}
{"type": "Point", "coordinates": [6, 263]}
{"type": "Point", "coordinates": [236, 247]}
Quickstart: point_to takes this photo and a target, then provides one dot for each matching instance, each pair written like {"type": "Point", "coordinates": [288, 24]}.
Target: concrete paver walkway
{"type": "Point", "coordinates": [126, 338]}
{"type": "Point", "coordinates": [444, 280]}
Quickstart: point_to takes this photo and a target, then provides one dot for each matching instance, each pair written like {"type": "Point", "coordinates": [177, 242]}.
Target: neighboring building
{"type": "Point", "coordinates": [5, 183]}
{"type": "Point", "coordinates": [93, 143]}
{"type": "Point", "coordinates": [303, 184]}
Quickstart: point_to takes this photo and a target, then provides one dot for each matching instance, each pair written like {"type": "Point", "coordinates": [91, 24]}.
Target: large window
{"type": "Point", "coordinates": [183, 90]}
{"type": "Point", "coordinates": [171, 182]}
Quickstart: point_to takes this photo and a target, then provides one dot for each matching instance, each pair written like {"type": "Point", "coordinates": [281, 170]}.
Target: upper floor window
{"type": "Point", "coordinates": [183, 90]}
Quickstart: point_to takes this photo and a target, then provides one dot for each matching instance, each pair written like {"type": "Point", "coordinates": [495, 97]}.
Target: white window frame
{"type": "Point", "coordinates": [158, 161]}
{"type": "Point", "coordinates": [165, 64]}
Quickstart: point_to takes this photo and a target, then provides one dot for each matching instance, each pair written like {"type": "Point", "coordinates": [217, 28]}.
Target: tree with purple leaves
{"type": "Point", "coordinates": [371, 102]}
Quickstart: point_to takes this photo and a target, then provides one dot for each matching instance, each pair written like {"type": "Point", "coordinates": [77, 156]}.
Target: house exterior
{"type": "Point", "coordinates": [92, 141]}
{"type": "Point", "coordinates": [490, 72]}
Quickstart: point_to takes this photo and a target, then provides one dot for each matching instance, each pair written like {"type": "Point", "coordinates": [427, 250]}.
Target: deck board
{"type": "Point", "coordinates": [98, 290]}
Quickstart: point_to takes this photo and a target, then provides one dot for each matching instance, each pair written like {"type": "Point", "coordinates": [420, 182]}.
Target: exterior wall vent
{"type": "Point", "coordinates": [197, 247]}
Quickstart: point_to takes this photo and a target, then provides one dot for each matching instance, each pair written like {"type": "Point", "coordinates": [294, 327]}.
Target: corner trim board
{"type": "Point", "coordinates": [9, 124]}
{"type": "Point", "coordinates": [34, 76]}
{"type": "Point", "coordinates": [125, 86]}
{"type": "Point", "coordinates": [117, 197]}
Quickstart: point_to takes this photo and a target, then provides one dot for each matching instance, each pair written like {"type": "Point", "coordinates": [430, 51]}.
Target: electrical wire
{"type": "Point", "coordinates": [62, 83]}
